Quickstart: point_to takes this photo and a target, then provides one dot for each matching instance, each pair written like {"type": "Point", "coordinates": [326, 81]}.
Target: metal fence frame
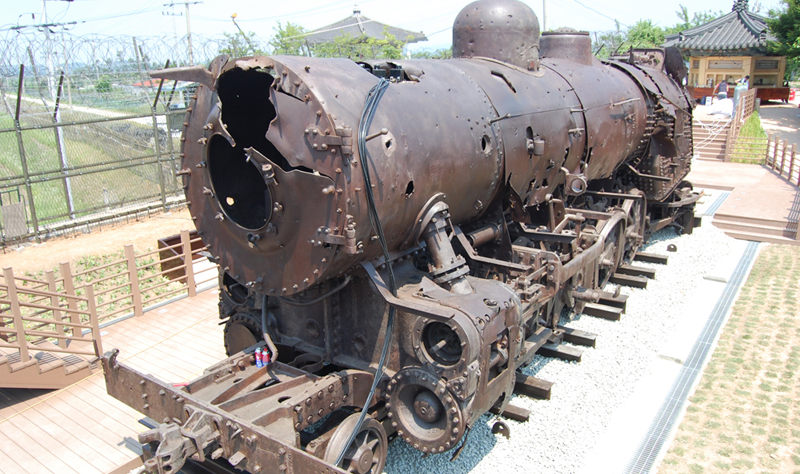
{"type": "Point", "coordinates": [161, 161]}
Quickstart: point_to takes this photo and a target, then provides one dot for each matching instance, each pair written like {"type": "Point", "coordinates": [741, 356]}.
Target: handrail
{"type": "Point", "coordinates": [49, 293]}
{"type": "Point", "coordinates": [61, 315]}
{"type": "Point", "coordinates": [97, 269]}
{"type": "Point", "coordinates": [54, 308]}
{"type": "Point", "coordinates": [61, 323]}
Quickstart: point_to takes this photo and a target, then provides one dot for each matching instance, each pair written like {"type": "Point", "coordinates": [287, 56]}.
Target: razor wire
{"type": "Point", "coordinates": [90, 142]}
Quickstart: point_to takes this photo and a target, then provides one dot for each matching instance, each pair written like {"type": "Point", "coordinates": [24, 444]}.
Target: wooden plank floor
{"type": "Point", "coordinates": [81, 429]}
{"type": "Point", "coordinates": [757, 191]}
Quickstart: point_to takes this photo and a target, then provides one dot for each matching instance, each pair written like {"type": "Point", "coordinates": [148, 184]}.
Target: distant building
{"type": "Point", "coordinates": [730, 48]}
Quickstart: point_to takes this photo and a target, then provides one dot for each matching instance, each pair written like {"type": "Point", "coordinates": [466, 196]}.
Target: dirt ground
{"type": "Point", "coordinates": [102, 240]}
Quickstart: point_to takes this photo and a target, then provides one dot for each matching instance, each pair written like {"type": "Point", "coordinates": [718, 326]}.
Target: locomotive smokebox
{"type": "Point", "coordinates": [505, 30]}
{"type": "Point", "coordinates": [566, 43]}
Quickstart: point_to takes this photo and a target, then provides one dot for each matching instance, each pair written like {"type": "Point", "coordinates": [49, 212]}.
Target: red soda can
{"type": "Point", "coordinates": [265, 357]}
{"type": "Point", "coordinates": [259, 359]}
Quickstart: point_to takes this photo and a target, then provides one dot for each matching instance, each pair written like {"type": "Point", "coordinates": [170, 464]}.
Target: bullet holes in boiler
{"type": "Point", "coordinates": [409, 189]}
{"type": "Point", "coordinates": [388, 144]}
{"type": "Point", "coordinates": [529, 141]}
{"type": "Point", "coordinates": [230, 201]}
{"type": "Point", "coordinates": [486, 145]}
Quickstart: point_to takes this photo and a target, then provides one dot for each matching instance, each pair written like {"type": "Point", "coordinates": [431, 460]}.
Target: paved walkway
{"type": "Point", "coordinates": [81, 429]}
{"type": "Point", "coordinates": [782, 119]}
{"type": "Point", "coordinates": [756, 191]}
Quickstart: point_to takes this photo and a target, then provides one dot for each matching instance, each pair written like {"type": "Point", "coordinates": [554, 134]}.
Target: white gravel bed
{"type": "Point", "coordinates": [561, 431]}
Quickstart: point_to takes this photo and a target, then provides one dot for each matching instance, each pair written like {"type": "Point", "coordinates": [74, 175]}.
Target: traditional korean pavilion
{"type": "Point", "coordinates": [730, 48]}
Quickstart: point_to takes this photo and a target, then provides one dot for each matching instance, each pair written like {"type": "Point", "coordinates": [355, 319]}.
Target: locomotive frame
{"type": "Point", "coordinates": [395, 299]}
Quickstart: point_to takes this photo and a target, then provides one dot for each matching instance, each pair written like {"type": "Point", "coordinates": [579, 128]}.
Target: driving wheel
{"type": "Point", "coordinates": [366, 454]}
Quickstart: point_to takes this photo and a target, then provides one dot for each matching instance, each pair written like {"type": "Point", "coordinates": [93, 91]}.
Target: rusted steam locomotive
{"type": "Point", "coordinates": [402, 237]}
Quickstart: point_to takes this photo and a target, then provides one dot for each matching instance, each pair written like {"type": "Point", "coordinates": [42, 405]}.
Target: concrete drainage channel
{"type": "Point", "coordinates": [666, 421]}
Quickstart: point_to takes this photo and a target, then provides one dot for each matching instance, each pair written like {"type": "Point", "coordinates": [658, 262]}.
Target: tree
{"type": "Point", "coordinates": [697, 19]}
{"type": "Point", "coordinates": [241, 44]}
{"type": "Point", "coordinates": [607, 43]}
{"type": "Point", "coordinates": [444, 53]}
{"type": "Point", "coordinates": [289, 40]}
{"type": "Point", "coordinates": [361, 47]}
{"type": "Point", "coordinates": [785, 25]}
{"type": "Point", "coordinates": [644, 34]}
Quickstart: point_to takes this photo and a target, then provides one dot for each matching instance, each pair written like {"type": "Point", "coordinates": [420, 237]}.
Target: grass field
{"type": "Point", "coordinates": [745, 415]}
{"type": "Point", "coordinates": [89, 147]}
{"type": "Point", "coordinates": [751, 146]}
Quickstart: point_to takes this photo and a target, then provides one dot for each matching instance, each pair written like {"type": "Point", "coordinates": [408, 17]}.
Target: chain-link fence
{"type": "Point", "coordinates": [85, 134]}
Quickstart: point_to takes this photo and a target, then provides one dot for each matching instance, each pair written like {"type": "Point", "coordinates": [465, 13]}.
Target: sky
{"type": "Point", "coordinates": [434, 18]}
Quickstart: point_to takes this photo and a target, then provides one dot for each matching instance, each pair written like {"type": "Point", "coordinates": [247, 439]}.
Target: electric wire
{"type": "Point", "coordinates": [370, 106]}
{"type": "Point", "coordinates": [316, 300]}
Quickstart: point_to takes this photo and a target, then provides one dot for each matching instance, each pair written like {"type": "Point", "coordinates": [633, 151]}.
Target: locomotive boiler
{"type": "Point", "coordinates": [401, 237]}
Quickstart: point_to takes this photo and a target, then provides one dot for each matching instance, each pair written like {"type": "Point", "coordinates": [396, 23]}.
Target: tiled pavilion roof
{"type": "Point", "coordinates": [740, 31]}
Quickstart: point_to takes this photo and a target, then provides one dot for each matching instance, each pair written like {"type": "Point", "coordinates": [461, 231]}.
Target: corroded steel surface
{"type": "Point", "coordinates": [508, 187]}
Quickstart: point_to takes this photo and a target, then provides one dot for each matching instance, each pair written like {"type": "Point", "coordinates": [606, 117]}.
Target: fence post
{"type": "Point", "coordinates": [72, 303]}
{"type": "Point", "coordinates": [188, 260]}
{"type": "Point", "coordinates": [791, 162]}
{"type": "Point", "coordinates": [22, 158]}
{"type": "Point", "coordinates": [769, 144]}
{"type": "Point", "coordinates": [798, 176]}
{"type": "Point", "coordinates": [54, 302]}
{"type": "Point", "coordinates": [730, 139]}
{"type": "Point", "coordinates": [783, 156]}
{"type": "Point", "coordinates": [157, 142]}
{"type": "Point", "coordinates": [133, 276]}
{"type": "Point", "coordinates": [22, 343]}
{"type": "Point", "coordinates": [92, 308]}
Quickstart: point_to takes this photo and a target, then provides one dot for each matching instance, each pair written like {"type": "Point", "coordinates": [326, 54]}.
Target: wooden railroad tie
{"type": "Point", "coordinates": [578, 337]}
{"type": "Point", "coordinates": [651, 258]}
{"type": "Point", "coordinates": [628, 280]}
{"type": "Point", "coordinates": [636, 271]}
{"type": "Point", "coordinates": [513, 413]}
{"type": "Point", "coordinates": [612, 313]}
{"type": "Point", "coordinates": [532, 386]}
{"type": "Point", "coordinates": [560, 351]}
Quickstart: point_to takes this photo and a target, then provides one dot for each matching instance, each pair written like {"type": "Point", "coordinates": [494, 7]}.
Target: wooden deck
{"type": "Point", "coordinates": [81, 429]}
{"type": "Point", "coordinates": [762, 205]}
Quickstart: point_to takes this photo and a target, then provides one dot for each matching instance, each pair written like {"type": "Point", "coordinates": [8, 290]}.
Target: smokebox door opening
{"type": "Point", "coordinates": [247, 113]}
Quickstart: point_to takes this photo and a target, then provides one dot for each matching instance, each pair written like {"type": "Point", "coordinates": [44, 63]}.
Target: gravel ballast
{"type": "Point", "coordinates": [586, 395]}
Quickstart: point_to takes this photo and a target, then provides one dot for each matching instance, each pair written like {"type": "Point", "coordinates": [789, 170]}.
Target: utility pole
{"type": "Point", "coordinates": [55, 97]}
{"type": "Point", "coordinates": [188, 26]}
{"type": "Point", "coordinates": [544, 15]}
{"type": "Point", "coordinates": [174, 27]}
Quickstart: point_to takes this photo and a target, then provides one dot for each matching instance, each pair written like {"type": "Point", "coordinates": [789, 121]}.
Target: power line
{"type": "Point", "coordinates": [600, 13]}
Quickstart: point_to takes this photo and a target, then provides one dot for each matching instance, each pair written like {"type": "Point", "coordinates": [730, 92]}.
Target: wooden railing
{"type": "Point", "coordinates": [65, 319]}
{"type": "Point", "coordinates": [744, 109]}
{"type": "Point", "coordinates": [784, 159]}
{"type": "Point", "coordinates": [61, 306]}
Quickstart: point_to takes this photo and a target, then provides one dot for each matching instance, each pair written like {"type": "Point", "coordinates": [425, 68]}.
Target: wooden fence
{"type": "Point", "coordinates": [60, 307]}
{"type": "Point", "coordinates": [747, 103]}
{"type": "Point", "coordinates": [784, 159]}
